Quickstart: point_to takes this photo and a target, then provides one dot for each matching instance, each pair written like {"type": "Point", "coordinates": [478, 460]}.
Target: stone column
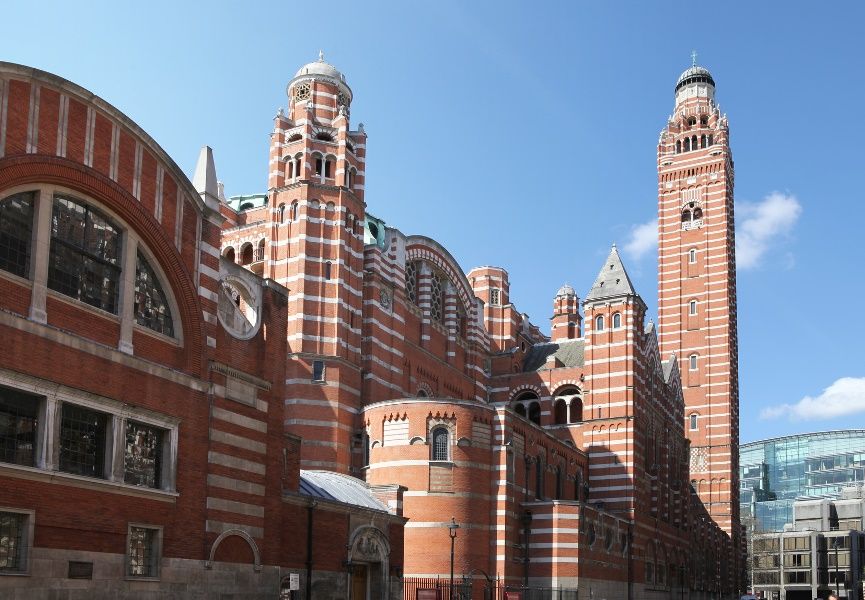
{"type": "Point", "coordinates": [41, 254]}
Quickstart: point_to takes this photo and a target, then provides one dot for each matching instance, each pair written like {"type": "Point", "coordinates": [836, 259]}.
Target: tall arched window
{"type": "Point", "coordinates": [692, 362]}
{"type": "Point", "coordinates": [327, 269]}
{"type": "Point", "coordinates": [85, 254]}
{"type": "Point", "coordinates": [692, 256]}
{"type": "Point", "coordinates": [440, 445]}
{"type": "Point", "coordinates": [560, 412]}
{"type": "Point", "coordinates": [617, 321]}
{"type": "Point", "coordinates": [693, 423]}
{"type": "Point", "coordinates": [678, 146]}
{"type": "Point", "coordinates": [692, 307]}
{"type": "Point", "coordinates": [535, 413]}
{"type": "Point", "coordinates": [292, 214]}
{"type": "Point", "coordinates": [246, 254]}
{"type": "Point", "coordinates": [693, 142]}
{"type": "Point", "coordinates": [687, 147]}
{"type": "Point", "coordinates": [229, 254]}
{"type": "Point", "coordinates": [16, 227]}
{"type": "Point", "coordinates": [599, 323]}
{"type": "Point", "coordinates": [259, 251]}
{"type": "Point", "coordinates": [151, 306]}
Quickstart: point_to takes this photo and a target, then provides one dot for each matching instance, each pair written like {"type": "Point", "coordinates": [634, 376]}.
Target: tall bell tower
{"type": "Point", "coordinates": [697, 286]}
{"type": "Point", "coordinates": [316, 188]}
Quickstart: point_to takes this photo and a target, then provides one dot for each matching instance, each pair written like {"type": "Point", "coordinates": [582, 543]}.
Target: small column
{"type": "Point", "coordinates": [116, 435]}
{"type": "Point", "coordinates": [41, 253]}
{"type": "Point", "coordinates": [424, 296]}
{"type": "Point", "coordinates": [48, 457]}
{"type": "Point", "coordinates": [450, 319]}
{"type": "Point", "coordinates": [127, 292]}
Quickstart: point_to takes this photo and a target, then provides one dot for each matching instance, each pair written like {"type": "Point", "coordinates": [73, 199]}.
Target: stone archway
{"type": "Point", "coordinates": [369, 560]}
{"type": "Point", "coordinates": [256, 555]}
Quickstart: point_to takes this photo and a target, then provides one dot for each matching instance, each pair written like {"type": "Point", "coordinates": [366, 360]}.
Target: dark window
{"type": "Point", "coordinates": [12, 552]}
{"type": "Point", "coordinates": [82, 441]}
{"type": "Point", "coordinates": [282, 213]}
{"type": "Point", "coordinates": [318, 370]}
{"type": "Point", "coordinates": [440, 443]}
{"type": "Point", "coordinates": [558, 483]}
{"type": "Point", "coordinates": [292, 216]}
{"type": "Point", "coordinates": [151, 305]}
{"type": "Point", "coordinates": [560, 412]}
{"type": "Point", "coordinates": [539, 479]}
{"type": "Point", "coordinates": [327, 269]}
{"type": "Point", "coordinates": [246, 254]}
{"type": "Point", "coordinates": [319, 163]}
{"type": "Point", "coordinates": [599, 323]}
{"type": "Point", "coordinates": [85, 254]}
{"type": "Point", "coordinates": [678, 146]}
{"type": "Point", "coordinates": [142, 552]}
{"type": "Point", "coordinates": [687, 147]}
{"type": "Point", "coordinates": [576, 410]}
{"type": "Point", "coordinates": [535, 413]}
{"type": "Point", "coordinates": [328, 168]}
{"type": "Point", "coordinates": [18, 422]}
{"type": "Point", "coordinates": [229, 254]}
{"type": "Point", "coordinates": [617, 321]}
{"type": "Point", "coordinates": [143, 457]}
{"type": "Point", "coordinates": [16, 227]}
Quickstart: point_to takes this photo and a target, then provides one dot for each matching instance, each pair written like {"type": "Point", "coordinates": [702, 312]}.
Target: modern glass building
{"type": "Point", "coordinates": [777, 471]}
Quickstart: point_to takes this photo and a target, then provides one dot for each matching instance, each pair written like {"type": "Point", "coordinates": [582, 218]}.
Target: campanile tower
{"type": "Point", "coordinates": [697, 286]}
{"type": "Point", "coordinates": [315, 188]}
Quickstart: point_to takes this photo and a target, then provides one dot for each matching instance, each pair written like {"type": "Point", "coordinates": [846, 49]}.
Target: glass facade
{"type": "Point", "coordinates": [775, 472]}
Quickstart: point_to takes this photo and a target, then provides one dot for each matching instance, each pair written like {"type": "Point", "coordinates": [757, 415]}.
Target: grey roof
{"type": "Point", "coordinates": [328, 485]}
{"type": "Point", "coordinates": [667, 366]}
{"type": "Point", "coordinates": [613, 280]}
{"type": "Point", "coordinates": [569, 353]}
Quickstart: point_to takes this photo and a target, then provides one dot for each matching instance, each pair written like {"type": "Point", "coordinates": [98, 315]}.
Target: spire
{"type": "Point", "coordinates": [613, 280]}
{"type": "Point", "coordinates": [204, 181]}
{"type": "Point", "coordinates": [321, 56]}
{"type": "Point", "coordinates": [693, 58]}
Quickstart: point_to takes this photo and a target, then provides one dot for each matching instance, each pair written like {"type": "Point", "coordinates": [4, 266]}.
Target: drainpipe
{"type": "Point", "coordinates": [309, 511]}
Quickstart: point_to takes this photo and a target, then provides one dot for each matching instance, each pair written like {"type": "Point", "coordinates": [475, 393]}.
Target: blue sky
{"type": "Point", "coordinates": [524, 135]}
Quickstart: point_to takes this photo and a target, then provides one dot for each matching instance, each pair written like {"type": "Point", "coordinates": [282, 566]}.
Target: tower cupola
{"type": "Point", "coordinates": [326, 75]}
{"type": "Point", "coordinates": [695, 82]}
{"type": "Point", "coordinates": [566, 320]}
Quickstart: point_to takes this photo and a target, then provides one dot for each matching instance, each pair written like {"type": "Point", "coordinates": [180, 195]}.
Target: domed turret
{"type": "Point", "coordinates": [566, 290]}
{"type": "Point", "coordinates": [319, 71]}
{"type": "Point", "coordinates": [695, 82]}
{"type": "Point", "coordinates": [694, 74]}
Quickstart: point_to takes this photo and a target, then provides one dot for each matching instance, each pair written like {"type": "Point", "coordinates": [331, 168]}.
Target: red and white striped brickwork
{"type": "Point", "coordinates": [697, 286]}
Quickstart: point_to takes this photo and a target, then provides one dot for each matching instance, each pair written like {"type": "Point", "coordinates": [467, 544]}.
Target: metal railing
{"type": "Point", "coordinates": [431, 588]}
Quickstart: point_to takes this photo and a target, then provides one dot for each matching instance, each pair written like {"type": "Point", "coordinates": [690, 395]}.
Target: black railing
{"type": "Point", "coordinates": [431, 588]}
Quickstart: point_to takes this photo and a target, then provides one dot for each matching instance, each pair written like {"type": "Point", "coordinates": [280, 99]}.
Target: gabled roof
{"type": "Point", "coordinates": [328, 485]}
{"type": "Point", "coordinates": [612, 281]}
{"type": "Point", "coordinates": [667, 367]}
{"type": "Point", "coordinates": [568, 353]}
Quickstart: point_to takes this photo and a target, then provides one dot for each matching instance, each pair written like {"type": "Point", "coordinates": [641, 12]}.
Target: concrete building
{"type": "Point", "coordinates": [821, 551]}
{"type": "Point", "coordinates": [391, 384]}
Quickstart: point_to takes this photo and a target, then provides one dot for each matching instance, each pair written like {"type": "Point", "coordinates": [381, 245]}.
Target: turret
{"type": "Point", "coordinates": [566, 320]}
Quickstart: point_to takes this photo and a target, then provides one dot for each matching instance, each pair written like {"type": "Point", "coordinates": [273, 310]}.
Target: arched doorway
{"type": "Point", "coordinates": [368, 562]}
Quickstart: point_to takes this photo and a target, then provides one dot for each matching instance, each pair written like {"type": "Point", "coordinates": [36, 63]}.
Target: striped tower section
{"type": "Point", "coordinates": [316, 191]}
{"type": "Point", "coordinates": [697, 286]}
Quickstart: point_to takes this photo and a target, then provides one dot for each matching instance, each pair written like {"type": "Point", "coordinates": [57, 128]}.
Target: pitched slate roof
{"type": "Point", "coordinates": [612, 281]}
{"type": "Point", "coordinates": [667, 367]}
{"type": "Point", "coordinates": [328, 485]}
{"type": "Point", "coordinates": [568, 353]}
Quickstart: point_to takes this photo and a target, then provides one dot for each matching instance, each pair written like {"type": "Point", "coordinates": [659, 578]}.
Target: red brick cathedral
{"type": "Point", "coordinates": [281, 393]}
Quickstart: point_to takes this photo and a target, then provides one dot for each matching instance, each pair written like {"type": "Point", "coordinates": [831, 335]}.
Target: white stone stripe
{"type": "Point", "coordinates": [233, 462]}
{"type": "Point", "coordinates": [237, 485]}
{"type": "Point", "coordinates": [237, 441]}
{"type": "Point", "coordinates": [232, 417]}
{"type": "Point", "coordinates": [33, 120]}
{"type": "Point", "coordinates": [136, 177]}
{"type": "Point", "coordinates": [89, 134]}
{"type": "Point", "coordinates": [114, 157]}
{"type": "Point", "coordinates": [62, 125]}
{"type": "Point", "coordinates": [242, 508]}
{"type": "Point", "coordinates": [4, 103]}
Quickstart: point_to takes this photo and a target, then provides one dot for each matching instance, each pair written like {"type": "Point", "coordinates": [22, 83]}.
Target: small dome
{"type": "Point", "coordinates": [694, 74]}
{"type": "Point", "coordinates": [566, 290]}
{"type": "Point", "coordinates": [320, 67]}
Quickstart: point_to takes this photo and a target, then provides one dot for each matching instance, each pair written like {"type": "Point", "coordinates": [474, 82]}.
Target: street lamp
{"type": "Point", "coordinates": [452, 531]}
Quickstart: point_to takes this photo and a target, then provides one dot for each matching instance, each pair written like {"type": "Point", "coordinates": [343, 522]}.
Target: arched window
{"type": "Point", "coordinates": [292, 214]}
{"type": "Point", "coordinates": [702, 141]}
{"type": "Point", "coordinates": [290, 169]}
{"type": "Point", "coordinates": [520, 409]}
{"type": "Point", "coordinates": [686, 216]}
{"type": "Point", "coordinates": [280, 213]}
{"type": "Point", "coordinates": [599, 323]}
{"type": "Point", "coordinates": [295, 138]}
{"type": "Point", "coordinates": [692, 362]}
{"type": "Point", "coordinates": [698, 213]}
{"type": "Point", "coordinates": [440, 445]}
{"type": "Point", "coordinates": [246, 254]}
{"type": "Point", "coordinates": [693, 423]}
{"type": "Point", "coordinates": [421, 393]}
{"type": "Point", "coordinates": [328, 168]}
{"type": "Point", "coordinates": [687, 147]}
{"type": "Point", "coordinates": [327, 269]}
{"type": "Point", "coordinates": [692, 256]}
{"type": "Point", "coordinates": [151, 306]}
{"type": "Point", "coordinates": [329, 206]}
{"type": "Point", "coordinates": [693, 142]}
{"type": "Point", "coordinates": [319, 165]}
{"type": "Point", "coordinates": [560, 412]}
{"type": "Point", "coordinates": [711, 141]}
{"type": "Point", "coordinates": [575, 411]}
{"type": "Point", "coordinates": [678, 146]}
{"type": "Point", "coordinates": [259, 251]}
{"type": "Point", "coordinates": [297, 163]}
{"type": "Point", "coordinates": [85, 254]}
{"type": "Point", "coordinates": [16, 227]}
{"type": "Point", "coordinates": [534, 413]}
{"type": "Point", "coordinates": [692, 307]}
{"type": "Point", "coordinates": [617, 321]}
{"type": "Point", "coordinates": [229, 254]}
{"type": "Point", "coordinates": [692, 121]}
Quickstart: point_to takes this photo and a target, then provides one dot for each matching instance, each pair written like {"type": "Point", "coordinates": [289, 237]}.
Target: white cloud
{"type": "Point", "coordinates": [844, 397]}
{"type": "Point", "coordinates": [642, 239]}
{"type": "Point", "coordinates": [761, 224]}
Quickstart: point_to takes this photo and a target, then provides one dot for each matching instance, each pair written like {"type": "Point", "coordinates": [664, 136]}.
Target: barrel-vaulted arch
{"type": "Point", "coordinates": [419, 247]}
{"type": "Point", "coordinates": [22, 170]}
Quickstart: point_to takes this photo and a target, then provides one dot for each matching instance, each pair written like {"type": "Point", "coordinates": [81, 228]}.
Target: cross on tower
{"type": "Point", "coordinates": [693, 58]}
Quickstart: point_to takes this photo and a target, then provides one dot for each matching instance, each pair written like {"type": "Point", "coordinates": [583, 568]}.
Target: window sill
{"type": "Point", "coordinates": [16, 278]}
{"type": "Point", "coordinates": [441, 463]}
{"type": "Point", "coordinates": [162, 337]}
{"type": "Point", "coordinates": [15, 573]}
{"type": "Point", "coordinates": [156, 579]}
{"type": "Point", "coordinates": [58, 477]}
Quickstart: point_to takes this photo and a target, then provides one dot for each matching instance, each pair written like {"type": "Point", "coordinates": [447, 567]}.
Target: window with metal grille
{"type": "Point", "coordinates": [12, 540]}
{"type": "Point", "coordinates": [437, 299]}
{"type": "Point", "coordinates": [142, 552]}
{"type": "Point", "coordinates": [495, 297]}
{"type": "Point", "coordinates": [18, 427]}
{"type": "Point", "coordinates": [151, 305]}
{"type": "Point", "coordinates": [16, 227]}
{"type": "Point", "coordinates": [440, 444]}
{"type": "Point", "coordinates": [411, 269]}
{"type": "Point", "coordinates": [143, 456]}
{"type": "Point", "coordinates": [82, 441]}
{"type": "Point", "coordinates": [85, 254]}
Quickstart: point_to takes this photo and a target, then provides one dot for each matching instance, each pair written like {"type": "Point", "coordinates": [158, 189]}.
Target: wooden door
{"type": "Point", "coordinates": [358, 582]}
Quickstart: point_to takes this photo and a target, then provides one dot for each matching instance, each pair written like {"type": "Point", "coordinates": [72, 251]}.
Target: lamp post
{"type": "Point", "coordinates": [452, 531]}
